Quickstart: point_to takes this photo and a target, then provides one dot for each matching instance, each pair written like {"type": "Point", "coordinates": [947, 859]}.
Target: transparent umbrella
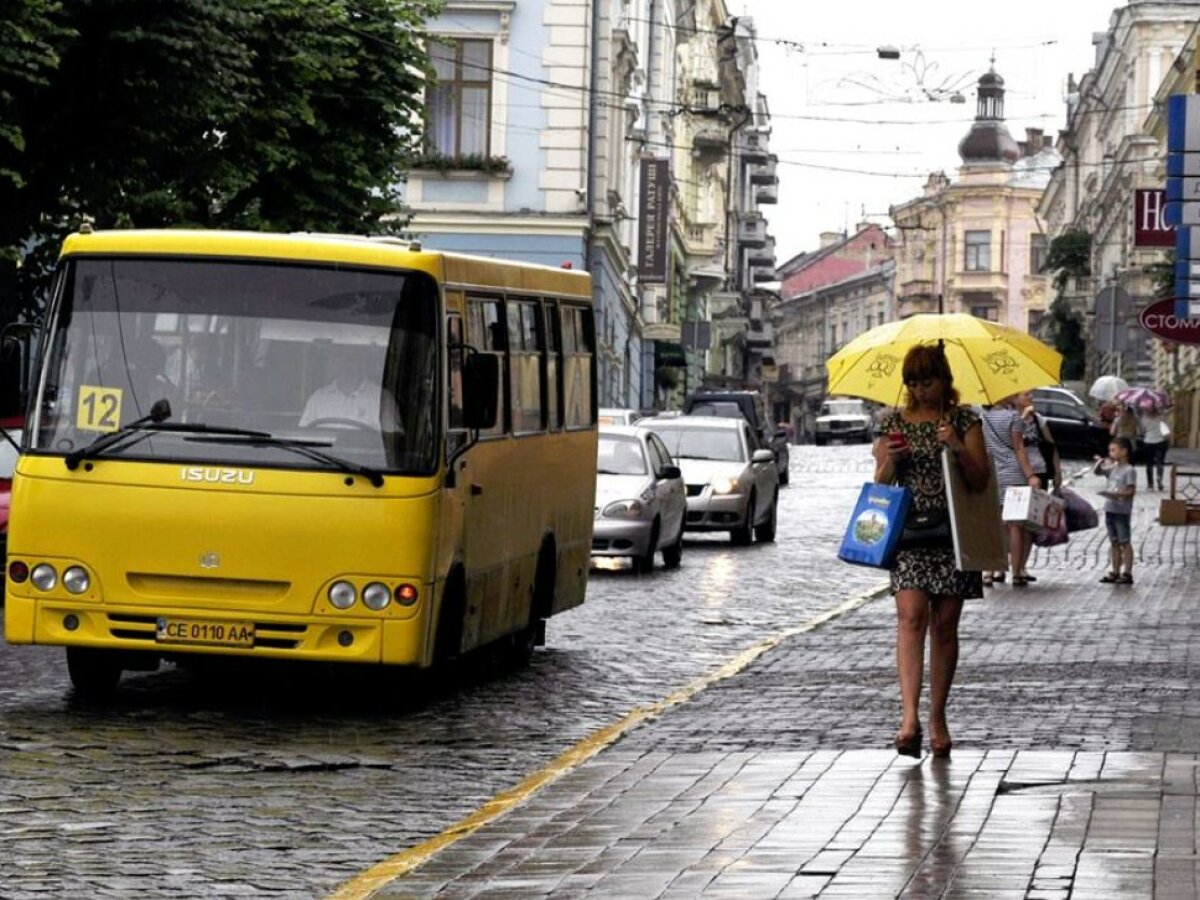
{"type": "Point", "coordinates": [1106, 387]}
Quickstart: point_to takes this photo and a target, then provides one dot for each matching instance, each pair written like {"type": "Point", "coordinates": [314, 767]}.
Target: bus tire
{"type": "Point", "coordinates": [94, 673]}
{"type": "Point", "coordinates": [447, 641]}
{"type": "Point", "coordinates": [522, 643]}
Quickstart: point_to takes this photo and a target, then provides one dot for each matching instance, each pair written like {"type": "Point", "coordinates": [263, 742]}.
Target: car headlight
{"type": "Point", "coordinates": [624, 509]}
{"type": "Point", "coordinates": [342, 595]}
{"type": "Point", "coordinates": [725, 485]}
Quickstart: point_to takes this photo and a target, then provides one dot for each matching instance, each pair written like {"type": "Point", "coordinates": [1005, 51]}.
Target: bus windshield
{"type": "Point", "coordinates": [341, 359]}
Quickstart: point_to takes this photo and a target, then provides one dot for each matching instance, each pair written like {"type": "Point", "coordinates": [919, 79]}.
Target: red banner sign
{"type": "Point", "coordinates": [1149, 229]}
{"type": "Point", "coordinates": [1160, 320]}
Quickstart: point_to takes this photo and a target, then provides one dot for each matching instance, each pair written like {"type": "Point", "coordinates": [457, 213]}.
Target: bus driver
{"type": "Point", "coordinates": [352, 396]}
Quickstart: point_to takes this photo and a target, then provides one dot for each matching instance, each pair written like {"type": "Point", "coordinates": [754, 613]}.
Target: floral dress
{"type": "Point", "coordinates": [930, 569]}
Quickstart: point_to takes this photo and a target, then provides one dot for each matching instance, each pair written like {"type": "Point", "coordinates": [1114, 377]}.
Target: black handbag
{"type": "Point", "coordinates": [924, 530]}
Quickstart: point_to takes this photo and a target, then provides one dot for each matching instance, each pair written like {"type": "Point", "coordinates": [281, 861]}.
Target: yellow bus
{"type": "Point", "coordinates": [301, 447]}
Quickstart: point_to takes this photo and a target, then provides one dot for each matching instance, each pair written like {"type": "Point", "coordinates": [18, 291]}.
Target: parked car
{"type": "Point", "coordinates": [1074, 425]}
{"type": "Point", "coordinates": [732, 482]}
{"type": "Point", "coordinates": [843, 419]}
{"type": "Point", "coordinates": [751, 406]}
{"type": "Point", "coordinates": [612, 416]}
{"type": "Point", "coordinates": [8, 463]}
{"type": "Point", "coordinates": [640, 499]}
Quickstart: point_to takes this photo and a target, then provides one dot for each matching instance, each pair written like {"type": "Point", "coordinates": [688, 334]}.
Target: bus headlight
{"type": "Point", "coordinates": [44, 577]}
{"type": "Point", "coordinates": [376, 596]}
{"type": "Point", "coordinates": [623, 509]}
{"type": "Point", "coordinates": [342, 595]}
{"type": "Point", "coordinates": [76, 580]}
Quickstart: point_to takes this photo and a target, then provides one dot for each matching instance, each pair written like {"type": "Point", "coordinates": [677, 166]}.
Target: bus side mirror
{"type": "Point", "coordinates": [481, 386]}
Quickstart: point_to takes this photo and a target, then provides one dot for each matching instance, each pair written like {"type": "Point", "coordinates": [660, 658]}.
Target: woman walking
{"type": "Point", "coordinates": [1154, 438]}
{"type": "Point", "coordinates": [1004, 436]}
{"type": "Point", "coordinates": [929, 590]}
{"type": "Point", "coordinates": [1043, 458]}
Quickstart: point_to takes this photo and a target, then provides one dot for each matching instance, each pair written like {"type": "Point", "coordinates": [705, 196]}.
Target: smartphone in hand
{"type": "Point", "coordinates": [897, 441]}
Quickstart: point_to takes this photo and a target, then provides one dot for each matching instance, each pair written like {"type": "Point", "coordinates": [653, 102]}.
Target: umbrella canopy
{"type": "Point", "coordinates": [989, 361]}
{"type": "Point", "coordinates": [1143, 398]}
{"type": "Point", "coordinates": [1106, 387]}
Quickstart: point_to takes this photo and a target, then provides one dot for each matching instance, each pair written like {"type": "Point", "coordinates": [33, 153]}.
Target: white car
{"type": "Point", "coordinates": [607, 415]}
{"type": "Point", "coordinates": [731, 486]}
{"type": "Point", "coordinates": [640, 500]}
{"type": "Point", "coordinates": [843, 420]}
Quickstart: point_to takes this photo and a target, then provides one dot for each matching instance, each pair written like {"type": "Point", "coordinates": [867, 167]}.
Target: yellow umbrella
{"type": "Point", "coordinates": [989, 361]}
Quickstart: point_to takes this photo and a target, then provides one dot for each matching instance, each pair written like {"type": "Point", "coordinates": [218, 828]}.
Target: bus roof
{"type": "Point", "coordinates": [386, 252]}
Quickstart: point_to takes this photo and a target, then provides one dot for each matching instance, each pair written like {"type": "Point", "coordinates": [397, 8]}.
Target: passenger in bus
{"type": "Point", "coordinates": [353, 395]}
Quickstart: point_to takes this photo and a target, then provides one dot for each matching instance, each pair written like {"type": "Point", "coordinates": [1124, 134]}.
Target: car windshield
{"type": "Point", "coordinates": [846, 408]}
{"type": "Point", "coordinates": [620, 455]}
{"type": "Point", "coordinates": [8, 453]}
{"type": "Point", "coordinates": [343, 359]}
{"type": "Point", "coordinates": [702, 443]}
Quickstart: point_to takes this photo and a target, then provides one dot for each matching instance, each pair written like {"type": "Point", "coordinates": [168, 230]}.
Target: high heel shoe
{"type": "Point", "coordinates": [909, 746]}
{"type": "Point", "coordinates": [940, 749]}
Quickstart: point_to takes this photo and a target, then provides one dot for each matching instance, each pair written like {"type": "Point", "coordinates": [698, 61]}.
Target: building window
{"type": "Point", "coordinates": [978, 251]}
{"type": "Point", "coordinates": [460, 103]}
{"type": "Point", "coordinates": [1037, 254]}
{"type": "Point", "coordinates": [988, 313]}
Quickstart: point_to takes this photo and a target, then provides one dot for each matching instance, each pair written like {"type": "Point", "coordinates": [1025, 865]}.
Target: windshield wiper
{"type": "Point", "coordinates": [303, 448]}
{"type": "Point", "coordinates": [159, 413]}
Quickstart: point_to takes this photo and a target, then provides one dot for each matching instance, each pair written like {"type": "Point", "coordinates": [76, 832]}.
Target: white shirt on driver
{"type": "Point", "coordinates": [362, 404]}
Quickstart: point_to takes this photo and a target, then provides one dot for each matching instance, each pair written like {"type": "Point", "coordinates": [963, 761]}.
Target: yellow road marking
{"type": "Point", "coordinates": [370, 881]}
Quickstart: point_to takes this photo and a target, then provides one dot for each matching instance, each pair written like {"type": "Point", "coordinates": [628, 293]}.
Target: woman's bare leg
{"type": "Point", "coordinates": [943, 661]}
{"type": "Point", "coordinates": [912, 621]}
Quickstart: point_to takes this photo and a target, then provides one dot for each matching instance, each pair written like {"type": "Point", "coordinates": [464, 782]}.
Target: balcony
{"type": "Point", "coordinates": [760, 336]}
{"type": "Point", "coordinates": [752, 231]}
{"type": "Point", "coordinates": [754, 145]}
{"type": "Point", "coordinates": [765, 173]}
{"type": "Point", "coordinates": [916, 289]}
{"type": "Point", "coordinates": [763, 273]}
{"type": "Point", "coordinates": [710, 139]}
{"type": "Point", "coordinates": [767, 194]}
{"type": "Point", "coordinates": [764, 255]}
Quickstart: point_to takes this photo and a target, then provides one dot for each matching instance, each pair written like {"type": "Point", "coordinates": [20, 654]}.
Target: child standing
{"type": "Point", "coordinates": [1118, 508]}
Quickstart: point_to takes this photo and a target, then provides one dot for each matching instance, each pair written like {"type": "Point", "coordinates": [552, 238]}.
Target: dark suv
{"type": "Point", "coordinates": [1076, 429]}
{"type": "Point", "coordinates": [749, 405]}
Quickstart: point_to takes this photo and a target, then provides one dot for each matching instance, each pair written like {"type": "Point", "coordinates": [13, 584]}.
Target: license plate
{"type": "Point", "coordinates": [204, 631]}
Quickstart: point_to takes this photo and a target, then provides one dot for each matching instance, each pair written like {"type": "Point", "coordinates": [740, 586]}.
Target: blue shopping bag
{"type": "Point", "coordinates": [876, 525]}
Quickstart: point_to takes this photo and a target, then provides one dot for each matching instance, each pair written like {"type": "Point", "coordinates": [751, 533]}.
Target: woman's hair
{"type": "Point", "coordinates": [929, 361]}
{"type": "Point", "coordinates": [1126, 443]}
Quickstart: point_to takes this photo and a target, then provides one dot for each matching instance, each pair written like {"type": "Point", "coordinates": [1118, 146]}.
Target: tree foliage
{"type": "Point", "coordinates": [1069, 256]}
{"type": "Point", "coordinates": [255, 114]}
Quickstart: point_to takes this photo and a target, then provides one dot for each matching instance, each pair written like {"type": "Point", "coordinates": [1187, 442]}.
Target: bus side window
{"type": "Point", "coordinates": [553, 384]}
{"type": "Point", "coordinates": [525, 367]}
{"type": "Point", "coordinates": [456, 434]}
{"type": "Point", "coordinates": [578, 367]}
{"type": "Point", "coordinates": [486, 333]}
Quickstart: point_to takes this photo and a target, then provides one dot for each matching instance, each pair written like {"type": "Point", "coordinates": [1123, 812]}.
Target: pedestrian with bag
{"type": "Point", "coordinates": [1118, 508]}
{"type": "Point", "coordinates": [928, 588]}
{"type": "Point", "coordinates": [1155, 434]}
{"type": "Point", "coordinates": [1004, 437]}
{"type": "Point", "coordinates": [1043, 457]}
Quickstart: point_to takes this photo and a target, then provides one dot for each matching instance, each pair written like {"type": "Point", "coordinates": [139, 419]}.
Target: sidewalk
{"type": "Point", "coordinates": [1076, 720]}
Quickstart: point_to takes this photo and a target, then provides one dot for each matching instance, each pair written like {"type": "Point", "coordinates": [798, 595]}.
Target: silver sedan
{"type": "Point", "coordinates": [732, 482]}
{"type": "Point", "coordinates": [640, 501]}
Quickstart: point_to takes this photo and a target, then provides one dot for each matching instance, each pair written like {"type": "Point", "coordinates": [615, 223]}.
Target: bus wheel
{"type": "Point", "coordinates": [447, 642]}
{"type": "Point", "coordinates": [94, 673]}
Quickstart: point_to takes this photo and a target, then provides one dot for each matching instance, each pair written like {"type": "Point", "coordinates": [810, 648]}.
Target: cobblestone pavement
{"type": "Point", "coordinates": [272, 782]}
{"type": "Point", "coordinates": [1076, 718]}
